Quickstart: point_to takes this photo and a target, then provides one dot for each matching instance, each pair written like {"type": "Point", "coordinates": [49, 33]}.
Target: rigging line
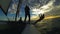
{"type": "Point", "coordinates": [7, 11]}
{"type": "Point", "coordinates": [8, 7]}
{"type": "Point", "coordinates": [3, 10]}
{"type": "Point", "coordinates": [17, 12]}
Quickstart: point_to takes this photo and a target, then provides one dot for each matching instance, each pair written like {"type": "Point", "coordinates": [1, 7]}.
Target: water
{"type": "Point", "coordinates": [3, 22]}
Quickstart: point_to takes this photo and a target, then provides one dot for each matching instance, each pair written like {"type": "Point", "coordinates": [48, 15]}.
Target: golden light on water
{"type": "Point", "coordinates": [51, 17]}
{"type": "Point", "coordinates": [46, 18]}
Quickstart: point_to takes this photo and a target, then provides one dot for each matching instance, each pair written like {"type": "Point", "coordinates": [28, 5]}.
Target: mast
{"type": "Point", "coordinates": [18, 9]}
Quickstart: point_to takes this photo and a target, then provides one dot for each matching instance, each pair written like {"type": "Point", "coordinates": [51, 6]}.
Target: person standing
{"type": "Point", "coordinates": [27, 12]}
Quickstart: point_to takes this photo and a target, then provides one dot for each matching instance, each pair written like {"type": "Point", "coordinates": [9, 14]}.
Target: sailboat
{"type": "Point", "coordinates": [15, 28]}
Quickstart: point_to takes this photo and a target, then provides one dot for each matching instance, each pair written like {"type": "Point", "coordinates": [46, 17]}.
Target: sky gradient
{"type": "Point", "coordinates": [47, 7]}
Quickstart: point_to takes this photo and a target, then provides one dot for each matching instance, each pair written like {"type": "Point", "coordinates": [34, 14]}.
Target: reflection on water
{"type": "Point", "coordinates": [3, 22]}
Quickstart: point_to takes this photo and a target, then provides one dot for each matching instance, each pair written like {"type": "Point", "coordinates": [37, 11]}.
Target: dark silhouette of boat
{"type": "Point", "coordinates": [16, 27]}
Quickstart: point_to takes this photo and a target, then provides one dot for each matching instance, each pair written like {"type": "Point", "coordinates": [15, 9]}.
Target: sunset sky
{"type": "Point", "coordinates": [51, 9]}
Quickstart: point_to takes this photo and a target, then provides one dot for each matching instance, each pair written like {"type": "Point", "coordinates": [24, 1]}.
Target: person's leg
{"type": "Point", "coordinates": [29, 17]}
{"type": "Point", "coordinates": [25, 17]}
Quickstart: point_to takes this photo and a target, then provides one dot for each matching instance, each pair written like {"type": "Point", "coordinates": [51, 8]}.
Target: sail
{"type": "Point", "coordinates": [5, 5]}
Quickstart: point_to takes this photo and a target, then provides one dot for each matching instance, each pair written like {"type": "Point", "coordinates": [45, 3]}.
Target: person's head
{"type": "Point", "coordinates": [26, 6]}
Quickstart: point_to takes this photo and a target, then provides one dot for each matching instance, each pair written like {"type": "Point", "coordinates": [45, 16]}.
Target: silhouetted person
{"type": "Point", "coordinates": [20, 20]}
{"type": "Point", "coordinates": [27, 12]}
{"type": "Point", "coordinates": [41, 18]}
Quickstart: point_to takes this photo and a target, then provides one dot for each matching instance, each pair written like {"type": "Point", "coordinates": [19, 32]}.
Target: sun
{"type": "Point", "coordinates": [37, 11]}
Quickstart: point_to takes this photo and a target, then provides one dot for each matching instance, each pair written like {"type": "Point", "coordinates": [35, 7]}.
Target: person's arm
{"type": "Point", "coordinates": [40, 18]}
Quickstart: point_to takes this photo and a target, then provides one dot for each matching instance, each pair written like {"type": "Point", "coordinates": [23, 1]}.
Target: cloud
{"type": "Point", "coordinates": [57, 2]}
{"type": "Point", "coordinates": [48, 7]}
{"type": "Point", "coordinates": [12, 11]}
{"type": "Point", "coordinates": [13, 7]}
{"type": "Point", "coordinates": [43, 9]}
